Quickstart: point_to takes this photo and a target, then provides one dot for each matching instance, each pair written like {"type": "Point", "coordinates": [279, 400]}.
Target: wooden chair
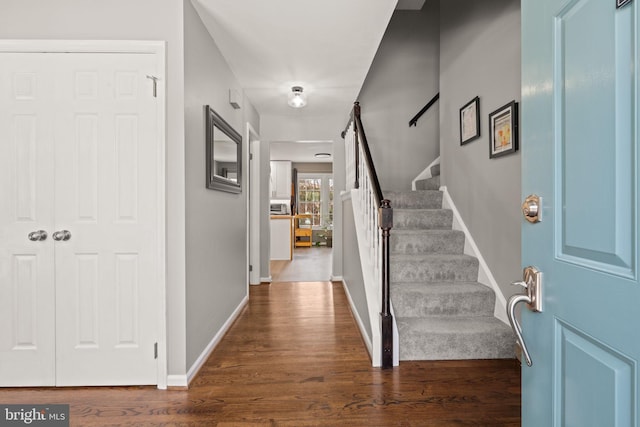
{"type": "Point", "coordinates": [302, 230]}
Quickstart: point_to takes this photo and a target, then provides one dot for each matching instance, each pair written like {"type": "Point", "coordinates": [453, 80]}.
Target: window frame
{"type": "Point", "coordinates": [324, 195]}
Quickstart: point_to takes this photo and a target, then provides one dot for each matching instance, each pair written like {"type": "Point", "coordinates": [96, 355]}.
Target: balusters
{"type": "Point", "coordinates": [376, 217]}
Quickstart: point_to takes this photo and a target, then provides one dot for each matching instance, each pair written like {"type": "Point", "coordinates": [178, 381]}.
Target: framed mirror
{"type": "Point", "coordinates": [224, 154]}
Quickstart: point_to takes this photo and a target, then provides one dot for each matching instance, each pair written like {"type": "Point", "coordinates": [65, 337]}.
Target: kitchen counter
{"type": "Point", "coordinates": [281, 237]}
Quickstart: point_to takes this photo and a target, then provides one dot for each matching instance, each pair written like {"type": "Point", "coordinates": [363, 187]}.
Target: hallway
{"type": "Point", "coordinates": [308, 265]}
{"type": "Point", "coordinates": [295, 358]}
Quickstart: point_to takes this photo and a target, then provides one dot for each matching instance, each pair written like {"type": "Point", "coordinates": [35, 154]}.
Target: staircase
{"type": "Point", "coordinates": [442, 312]}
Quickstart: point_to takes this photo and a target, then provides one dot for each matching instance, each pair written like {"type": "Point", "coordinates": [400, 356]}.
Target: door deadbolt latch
{"type": "Point", "coordinates": [532, 208]}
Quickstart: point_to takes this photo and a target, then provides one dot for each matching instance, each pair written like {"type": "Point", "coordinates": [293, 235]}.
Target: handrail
{"type": "Point", "coordinates": [367, 155]}
{"type": "Point", "coordinates": [383, 222]}
{"type": "Point", "coordinates": [414, 121]}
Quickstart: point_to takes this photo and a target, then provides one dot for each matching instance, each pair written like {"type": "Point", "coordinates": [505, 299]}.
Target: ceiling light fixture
{"type": "Point", "coordinates": [297, 99]}
{"type": "Point", "coordinates": [322, 155]}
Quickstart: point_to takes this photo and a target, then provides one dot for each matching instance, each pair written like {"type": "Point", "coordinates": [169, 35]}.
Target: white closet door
{"type": "Point", "coordinates": [79, 152]}
{"type": "Point", "coordinates": [106, 198]}
{"type": "Point", "coordinates": [27, 298]}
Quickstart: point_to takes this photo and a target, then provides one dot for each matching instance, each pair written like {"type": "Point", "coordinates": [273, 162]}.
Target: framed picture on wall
{"type": "Point", "coordinates": [470, 121]}
{"type": "Point", "coordinates": [503, 130]}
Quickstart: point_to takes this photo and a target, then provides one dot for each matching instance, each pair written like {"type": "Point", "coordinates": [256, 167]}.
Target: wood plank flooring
{"type": "Point", "coordinates": [295, 358]}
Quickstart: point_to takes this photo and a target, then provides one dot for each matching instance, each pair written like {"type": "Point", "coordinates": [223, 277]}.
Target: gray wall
{"type": "Point", "coordinates": [324, 167]}
{"type": "Point", "coordinates": [216, 222]}
{"type": "Point", "coordinates": [351, 269]}
{"type": "Point", "coordinates": [265, 225]}
{"type": "Point", "coordinates": [480, 56]}
{"type": "Point", "coordinates": [126, 20]}
{"type": "Point", "coordinates": [338, 167]}
{"type": "Point", "coordinates": [402, 79]}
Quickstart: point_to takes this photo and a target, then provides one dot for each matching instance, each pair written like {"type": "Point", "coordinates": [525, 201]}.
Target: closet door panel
{"type": "Point", "coordinates": [106, 194]}
{"type": "Point", "coordinates": [27, 296]}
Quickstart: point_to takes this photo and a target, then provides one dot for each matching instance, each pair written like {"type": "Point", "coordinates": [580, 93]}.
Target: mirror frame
{"type": "Point", "coordinates": [217, 182]}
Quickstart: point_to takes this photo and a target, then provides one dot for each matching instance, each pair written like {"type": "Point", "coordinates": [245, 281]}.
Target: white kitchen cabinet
{"type": "Point", "coordinates": [281, 179]}
{"type": "Point", "coordinates": [281, 237]}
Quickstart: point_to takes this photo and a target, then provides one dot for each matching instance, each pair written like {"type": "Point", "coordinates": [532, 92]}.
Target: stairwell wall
{"type": "Point", "coordinates": [402, 79]}
{"type": "Point", "coordinates": [352, 270]}
{"type": "Point", "coordinates": [480, 56]}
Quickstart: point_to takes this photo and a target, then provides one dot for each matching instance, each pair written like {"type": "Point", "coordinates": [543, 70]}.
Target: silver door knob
{"type": "Point", "coordinates": [63, 235]}
{"type": "Point", "coordinates": [38, 236]}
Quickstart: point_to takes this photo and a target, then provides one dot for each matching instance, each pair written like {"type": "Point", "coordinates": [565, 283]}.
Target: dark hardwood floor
{"type": "Point", "coordinates": [295, 358]}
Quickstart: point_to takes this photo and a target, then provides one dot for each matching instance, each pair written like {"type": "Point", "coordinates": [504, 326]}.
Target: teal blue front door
{"type": "Point", "coordinates": [579, 130]}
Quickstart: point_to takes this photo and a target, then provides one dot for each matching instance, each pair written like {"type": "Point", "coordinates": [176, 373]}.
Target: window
{"type": "Point", "coordinates": [315, 197]}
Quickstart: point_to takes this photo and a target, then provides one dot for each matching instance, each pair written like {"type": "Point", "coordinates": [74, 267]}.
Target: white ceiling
{"type": "Point", "coordinates": [325, 46]}
{"type": "Point", "coordinates": [301, 151]}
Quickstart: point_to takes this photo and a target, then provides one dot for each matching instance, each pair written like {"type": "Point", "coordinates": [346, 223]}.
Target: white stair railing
{"type": "Point", "coordinates": [373, 217]}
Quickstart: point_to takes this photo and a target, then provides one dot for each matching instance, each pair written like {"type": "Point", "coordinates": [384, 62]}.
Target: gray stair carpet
{"type": "Point", "coordinates": [442, 312]}
{"type": "Point", "coordinates": [432, 183]}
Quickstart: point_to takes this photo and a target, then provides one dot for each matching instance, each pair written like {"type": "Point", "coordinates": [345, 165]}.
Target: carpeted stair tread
{"type": "Point", "coordinates": [442, 299]}
{"type": "Point", "coordinates": [432, 183]}
{"type": "Point", "coordinates": [454, 338]}
{"type": "Point", "coordinates": [432, 268]}
{"type": "Point", "coordinates": [442, 312]}
{"type": "Point", "coordinates": [414, 219]}
{"type": "Point", "coordinates": [423, 199]}
{"type": "Point", "coordinates": [427, 241]}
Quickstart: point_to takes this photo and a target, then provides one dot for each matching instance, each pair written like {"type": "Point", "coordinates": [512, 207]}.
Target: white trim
{"type": "Point", "coordinates": [425, 174]}
{"type": "Point", "coordinates": [83, 46]}
{"type": "Point", "coordinates": [159, 49]}
{"type": "Point", "coordinates": [470, 248]}
{"type": "Point", "coordinates": [162, 222]}
{"type": "Point", "coordinates": [356, 316]}
{"type": "Point", "coordinates": [266, 279]}
{"type": "Point", "coordinates": [200, 361]}
{"type": "Point", "coordinates": [336, 279]}
{"type": "Point", "coordinates": [177, 381]}
{"type": "Point", "coordinates": [253, 206]}
{"type": "Point", "coordinates": [324, 194]}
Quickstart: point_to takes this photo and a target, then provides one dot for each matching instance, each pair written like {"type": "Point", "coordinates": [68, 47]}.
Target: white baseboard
{"type": "Point", "coordinates": [356, 315]}
{"type": "Point", "coordinates": [266, 279]}
{"type": "Point", "coordinates": [215, 341]}
{"type": "Point", "coordinates": [470, 248]}
{"type": "Point", "coordinates": [177, 381]}
{"type": "Point", "coordinates": [336, 279]}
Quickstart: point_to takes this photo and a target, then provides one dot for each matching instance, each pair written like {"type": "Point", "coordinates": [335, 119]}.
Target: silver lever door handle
{"type": "Point", "coordinates": [37, 236]}
{"type": "Point", "coordinates": [63, 235]}
{"type": "Point", "coordinates": [511, 307]}
{"type": "Point", "coordinates": [532, 283]}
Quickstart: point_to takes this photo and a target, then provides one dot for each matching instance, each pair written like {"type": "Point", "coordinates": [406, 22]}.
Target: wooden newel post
{"type": "Point", "coordinates": [386, 319]}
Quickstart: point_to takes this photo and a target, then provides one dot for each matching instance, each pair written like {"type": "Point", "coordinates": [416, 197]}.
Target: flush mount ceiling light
{"type": "Point", "coordinates": [297, 99]}
{"type": "Point", "coordinates": [322, 155]}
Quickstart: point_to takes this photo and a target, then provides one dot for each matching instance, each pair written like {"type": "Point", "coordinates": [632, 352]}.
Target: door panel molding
{"type": "Point", "coordinates": [594, 109]}
{"type": "Point", "coordinates": [610, 371]}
